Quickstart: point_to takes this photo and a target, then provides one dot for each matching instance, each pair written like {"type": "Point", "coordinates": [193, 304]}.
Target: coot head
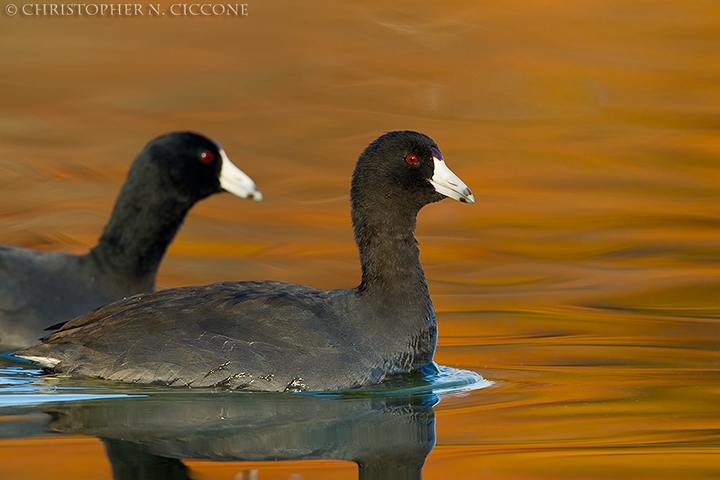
{"type": "Point", "coordinates": [405, 169]}
{"type": "Point", "coordinates": [197, 166]}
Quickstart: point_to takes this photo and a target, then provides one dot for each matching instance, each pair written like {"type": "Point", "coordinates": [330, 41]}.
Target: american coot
{"type": "Point", "coordinates": [267, 335]}
{"type": "Point", "coordinates": [172, 172]}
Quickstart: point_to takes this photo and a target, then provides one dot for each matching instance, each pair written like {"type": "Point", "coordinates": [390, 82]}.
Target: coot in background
{"type": "Point", "coordinates": [172, 173]}
{"type": "Point", "coordinates": [276, 336]}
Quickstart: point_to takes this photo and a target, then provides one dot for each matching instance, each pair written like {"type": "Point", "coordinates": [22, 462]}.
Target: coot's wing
{"type": "Point", "coordinates": [234, 335]}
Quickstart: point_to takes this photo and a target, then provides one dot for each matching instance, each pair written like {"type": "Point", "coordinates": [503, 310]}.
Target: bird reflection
{"type": "Point", "coordinates": [131, 460]}
{"type": "Point", "coordinates": [388, 437]}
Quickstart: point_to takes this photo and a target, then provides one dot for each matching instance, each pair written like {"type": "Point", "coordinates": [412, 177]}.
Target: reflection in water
{"type": "Point", "coordinates": [387, 430]}
{"type": "Point", "coordinates": [387, 436]}
{"type": "Point", "coordinates": [133, 461]}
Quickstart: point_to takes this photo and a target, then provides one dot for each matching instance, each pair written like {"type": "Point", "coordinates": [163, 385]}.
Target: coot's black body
{"type": "Point", "coordinates": [275, 336]}
{"type": "Point", "coordinates": [172, 173]}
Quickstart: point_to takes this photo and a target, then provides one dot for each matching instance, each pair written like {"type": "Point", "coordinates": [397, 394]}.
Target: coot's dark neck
{"type": "Point", "coordinates": [143, 223]}
{"type": "Point", "coordinates": [389, 254]}
{"type": "Point", "coordinates": [393, 283]}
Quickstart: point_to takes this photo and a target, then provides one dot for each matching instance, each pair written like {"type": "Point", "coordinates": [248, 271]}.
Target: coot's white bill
{"type": "Point", "coordinates": [236, 181]}
{"type": "Point", "coordinates": [449, 184]}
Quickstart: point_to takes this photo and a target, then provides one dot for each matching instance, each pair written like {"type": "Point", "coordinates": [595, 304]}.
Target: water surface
{"type": "Point", "coordinates": [584, 282]}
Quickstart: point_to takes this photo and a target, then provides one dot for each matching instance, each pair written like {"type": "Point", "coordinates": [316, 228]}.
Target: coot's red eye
{"type": "Point", "coordinates": [206, 156]}
{"type": "Point", "coordinates": [412, 159]}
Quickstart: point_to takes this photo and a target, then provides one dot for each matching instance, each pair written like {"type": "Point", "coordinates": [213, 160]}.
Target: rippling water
{"type": "Point", "coordinates": [584, 283]}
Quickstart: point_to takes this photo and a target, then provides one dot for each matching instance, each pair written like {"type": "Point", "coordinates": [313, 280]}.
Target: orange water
{"type": "Point", "coordinates": [584, 281]}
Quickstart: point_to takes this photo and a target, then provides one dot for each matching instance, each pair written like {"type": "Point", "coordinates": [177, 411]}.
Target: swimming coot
{"type": "Point", "coordinates": [172, 172]}
{"type": "Point", "coordinates": [276, 336]}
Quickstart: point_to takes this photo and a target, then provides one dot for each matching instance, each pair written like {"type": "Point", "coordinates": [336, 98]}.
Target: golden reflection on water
{"type": "Point", "coordinates": [585, 280]}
